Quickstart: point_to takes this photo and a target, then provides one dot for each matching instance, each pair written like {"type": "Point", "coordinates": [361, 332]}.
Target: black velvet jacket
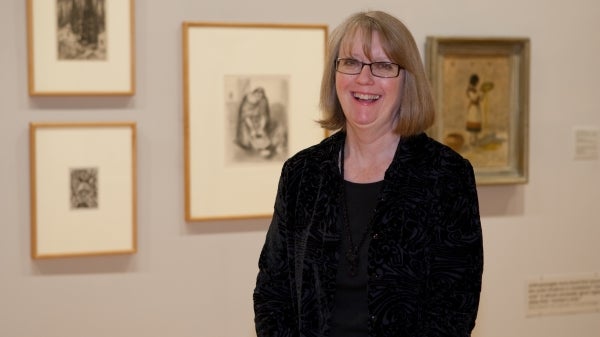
{"type": "Point", "coordinates": [425, 256]}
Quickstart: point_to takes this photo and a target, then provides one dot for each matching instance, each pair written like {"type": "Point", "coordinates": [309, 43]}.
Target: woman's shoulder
{"type": "Point", "coordinates": [318, 154]}
{"type": "Point", "coordinates": [429, 152]}
{"type": "Point", "coordinates": [433, 148]}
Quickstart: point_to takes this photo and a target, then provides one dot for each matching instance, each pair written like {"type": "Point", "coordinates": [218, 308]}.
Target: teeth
{"type": "Point", "coordinates": [366, 96]}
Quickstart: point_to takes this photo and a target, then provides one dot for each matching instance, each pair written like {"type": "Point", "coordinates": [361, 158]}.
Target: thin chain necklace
{"type": "Point", "coordinates": [352, 253]}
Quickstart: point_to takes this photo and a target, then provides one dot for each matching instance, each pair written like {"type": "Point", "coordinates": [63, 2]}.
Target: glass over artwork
{"type": "Point", "coordinates": [81, 47]}
{"type": "Point", "coordinates": [481, 89]}
{"type": "Point", "coordinates": [257, 107]}
{"type": "Point", "coordinates": [81, 29]}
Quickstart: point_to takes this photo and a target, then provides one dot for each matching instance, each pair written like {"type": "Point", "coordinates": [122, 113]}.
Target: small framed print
{"type": "Point", "coordinates": [481, 89]}
{"type": "Point", "coordinates": [81, 47]}
{"type": "Point", "coordinates": [83, 189]}
{"type": "Point", "coordinates": [250, 102]}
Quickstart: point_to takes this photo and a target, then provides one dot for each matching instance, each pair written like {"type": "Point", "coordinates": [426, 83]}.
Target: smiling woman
{"type": "Point", "coordinates": [370, 102]}
{"type": "Point", "coordinates": [376, 229]}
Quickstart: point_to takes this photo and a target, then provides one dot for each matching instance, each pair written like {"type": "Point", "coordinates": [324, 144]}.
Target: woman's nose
{"type": "Point", "coordinates": [365, 74]}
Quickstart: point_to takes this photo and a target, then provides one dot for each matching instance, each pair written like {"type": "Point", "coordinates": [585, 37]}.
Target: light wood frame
{"type": "Point", "coordinates": [112, 74]}
{"type": "Point", "coordinates": [98, 159]}
{"type": "Point", "coordinates": [215, 55]}
{"type": "Point", "coordinates": [481, 89]}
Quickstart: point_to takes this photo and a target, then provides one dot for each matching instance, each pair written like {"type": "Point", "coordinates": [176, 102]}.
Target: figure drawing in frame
{"type": "Point", "coordinates": [81, 29]}
{"type": "Point", "coordinates": [476, 107]}
{"type": "Point", "coordinates": [477, 102]}
{"type": "Point", "coordinates": [257, 108]}
{"type": "Point", "coordinates": [84, 188]}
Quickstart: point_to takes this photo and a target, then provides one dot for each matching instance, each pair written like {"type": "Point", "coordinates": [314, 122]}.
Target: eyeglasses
{"type": "Point", "coordinates": [379, 69]}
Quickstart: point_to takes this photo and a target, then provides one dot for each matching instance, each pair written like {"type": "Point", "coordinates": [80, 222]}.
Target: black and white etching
{"type": "Point", "coordinates": [257, 108]}
{"type": "Point", "coordinates": [84, 188]}
{"type": "Point", "coordinates": [81, 29]}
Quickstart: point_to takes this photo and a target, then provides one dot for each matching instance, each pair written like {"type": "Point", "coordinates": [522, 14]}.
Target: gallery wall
{"type": "Point", "coordinates": [196, 279]}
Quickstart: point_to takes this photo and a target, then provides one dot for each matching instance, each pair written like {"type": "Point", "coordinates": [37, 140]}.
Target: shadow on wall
{"type": "Point", "coordinates": [80, 103]}
{"type": "Point", "coordinates": [501, 200]}
{"type": "Point", "coordinates": [227, 226]}
{"type": "Point", "coordinates": [88, 265]}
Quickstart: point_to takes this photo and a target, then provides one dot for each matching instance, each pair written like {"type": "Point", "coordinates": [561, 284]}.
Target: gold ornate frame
{"type": "Point", "coordinates": [481, 90]}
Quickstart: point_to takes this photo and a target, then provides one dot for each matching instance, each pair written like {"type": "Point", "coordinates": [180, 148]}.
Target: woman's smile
{"type": "Point", "coordinates": [367, 98]}
{"type": "Point", "coordinates": [368, 101]}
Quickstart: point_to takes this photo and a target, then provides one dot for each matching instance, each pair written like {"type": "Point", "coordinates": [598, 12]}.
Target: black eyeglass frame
{"type": "Point", "coordinates": [363, 64]}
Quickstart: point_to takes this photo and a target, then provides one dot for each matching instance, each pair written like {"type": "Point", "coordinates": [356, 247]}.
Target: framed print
{"type": "Point", "coordinates": [251, 96]}
{"type": "Point", "coordinates": [83, 189]}
{"type": "Point", "coordinates": [481, 90]}
{"type": "Point", "coordinates": [81, 47]}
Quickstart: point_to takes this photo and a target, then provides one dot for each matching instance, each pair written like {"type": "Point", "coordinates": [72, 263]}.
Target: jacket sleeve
{"type": "Point", "coordinates": [274, 309]}
{"type": "Point", "coordinates": [456, 261]}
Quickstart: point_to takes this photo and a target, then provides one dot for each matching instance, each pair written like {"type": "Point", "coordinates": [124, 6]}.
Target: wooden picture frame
{"type": "Point", "coordinates": [83, 189]}
{"type": "Point", "coordinates": [251, 95]}
{"type": "Point", "coordinates": [481, 90]}
{"type": "Point", "coordinates": [81, 47]}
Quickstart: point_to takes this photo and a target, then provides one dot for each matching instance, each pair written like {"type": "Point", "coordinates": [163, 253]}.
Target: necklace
{"type": "Point", "coordinates": [353, 251]}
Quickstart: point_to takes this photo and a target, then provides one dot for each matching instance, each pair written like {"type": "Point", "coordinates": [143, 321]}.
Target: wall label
{"type": "Point", "coordinates": [563, 295]}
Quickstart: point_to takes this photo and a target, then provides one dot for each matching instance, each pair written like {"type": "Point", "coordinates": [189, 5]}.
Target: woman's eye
{"type": "Point", "coordinates": [384, 66]}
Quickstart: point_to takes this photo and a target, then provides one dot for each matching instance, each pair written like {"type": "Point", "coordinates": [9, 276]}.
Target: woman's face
{"type": "Point", "coordinates": [368, 102]}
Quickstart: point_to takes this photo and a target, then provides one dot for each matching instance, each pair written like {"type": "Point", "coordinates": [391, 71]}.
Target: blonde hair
{"type": "Point", "coordinates": [416, 112]}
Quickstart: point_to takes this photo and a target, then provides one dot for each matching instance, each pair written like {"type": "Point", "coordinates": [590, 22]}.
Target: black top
{"type": "Point", "coordinates": [350, 311]}
{"type": "Point", "coordinates": [425, 255]}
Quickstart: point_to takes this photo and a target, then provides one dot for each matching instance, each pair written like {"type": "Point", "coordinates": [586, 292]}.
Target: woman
{"type": "Point", "coordinates": [376, 230]}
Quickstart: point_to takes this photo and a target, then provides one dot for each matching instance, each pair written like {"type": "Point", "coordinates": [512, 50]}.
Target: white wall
{"type": "Point", "coordinates": [196, 279]}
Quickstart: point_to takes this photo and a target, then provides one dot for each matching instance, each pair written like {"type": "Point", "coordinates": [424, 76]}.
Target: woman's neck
{"type": "Point", "coordinates": [367, 156]}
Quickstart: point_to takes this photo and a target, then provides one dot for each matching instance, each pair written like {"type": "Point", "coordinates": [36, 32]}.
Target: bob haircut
{"type": "Point", "coordinates": [416, 112]}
